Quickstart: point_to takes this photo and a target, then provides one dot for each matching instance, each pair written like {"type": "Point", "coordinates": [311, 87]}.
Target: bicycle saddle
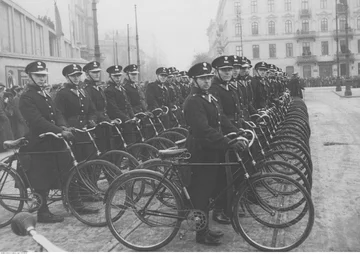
{"type": "Point", "coordinates": [15, 144]}
{"type": "Point", "coordinates": [157, 112]}
{"type": "Point", "coordinates": [140, 115]}
{"type": "Point", "coordinates": [22, 223]}
{"type": "Point", "coordinates": [174, 151]}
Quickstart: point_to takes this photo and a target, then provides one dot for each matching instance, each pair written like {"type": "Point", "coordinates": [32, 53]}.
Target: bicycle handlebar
{"type": "Point", "coordinates": [59, 136]}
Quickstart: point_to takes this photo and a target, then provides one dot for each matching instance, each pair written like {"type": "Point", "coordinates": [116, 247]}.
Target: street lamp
{"type": "Point", "coordinates": [338, 86]}
{"type": "Point", "coordinates": [96, 33]}
{"type": "Point", "coordinates": [347, 54]}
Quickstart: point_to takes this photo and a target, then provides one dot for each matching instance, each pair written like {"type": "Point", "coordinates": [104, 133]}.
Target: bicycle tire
{"type": "Point", "coordinates": [86, 186]}
{"type": "Point", "coordinates": [123, 160]}
{"type": "Point", "coordinates": [180, 130]}
{"type": "Point", "coordinates": [144, 240]}
{"type": "Point", "coordinates": [172, 135]}
{"type": "Point", "coordinates": [160, 143]}
{"type": "Point", "coordinates": [11, 186]}
{"type": "Point", "coordinates": [270, 236]}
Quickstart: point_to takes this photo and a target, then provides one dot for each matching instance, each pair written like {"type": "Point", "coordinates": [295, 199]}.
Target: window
{"type": "Point", "coordinates": [324, 48]}
{"type": "Point", "coordinates": [343, 46]}
{"type": "Point", "coordinates": [307, 71]}
{"type": "Point", "coordinates": [237, 29]}
{"type": "Point", "coordinates": [289, 50]}
{"type": "Point", "coordinates": [324, 25]}
{"type": "Point", "coordinates": [306, 49]}
{"type": "Point", "coordinates": [358, 46]}
{"type": "Point", "coordinates": [288, 26]}
{"type": "Point", "coordinates": [254, 28]}
{"type": "Point", "coordinates": [272, 50]}
{"type": "Point", "coordinates": [287, 5]}
{"type": "Point", "coordinates": [256, 51]}
{"type": "Point", "coordinates": [305, 4]}
{"type": "Point", "coordinates": [270, 5]}
{"type": "Point", "coordinates": [323, 4]}
{"type": "Point", "coordinates": [253, 6]}
{"type": "Point", "coordinates": [237, 8]}
{"type": "Point", "coordinates": [342, 22]}
{"type": "Point", "coordinates": [358, 22]}
{"type": "Point", "coordinates": [239, 51]}
{"type": "Point", "coordinates": [358, 68]}
{"type": "Point", "coordinates": [272, 27]}
{"type": "Point", "coordinates": [305, 26]}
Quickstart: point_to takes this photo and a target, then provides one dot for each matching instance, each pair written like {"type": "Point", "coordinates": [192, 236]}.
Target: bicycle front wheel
{"type": "Point", "coordinates": [262, 217]}
{"type": "Point", "coordinates": [143, 222]}
{"type": "Point", "coordinates": [85, 190]}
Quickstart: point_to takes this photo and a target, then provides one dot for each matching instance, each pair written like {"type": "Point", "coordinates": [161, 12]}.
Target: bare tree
{"type": "Point", "coordinates": [201, 57]}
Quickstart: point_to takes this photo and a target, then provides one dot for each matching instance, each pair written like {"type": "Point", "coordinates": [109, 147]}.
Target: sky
{"type": "Point", "coordinates": [178, 27]}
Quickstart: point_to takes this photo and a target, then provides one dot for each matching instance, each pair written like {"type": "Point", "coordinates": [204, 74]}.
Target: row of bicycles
{"type": "Point", "coordinates": [140, 188]}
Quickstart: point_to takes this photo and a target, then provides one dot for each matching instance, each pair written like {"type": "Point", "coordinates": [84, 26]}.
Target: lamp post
{"type": "Point", "coordinates": [96, 33]}
{"type": "Point", "coordinates": [347, 54]}
{"type": "Point", "coordinates": [338, 86]}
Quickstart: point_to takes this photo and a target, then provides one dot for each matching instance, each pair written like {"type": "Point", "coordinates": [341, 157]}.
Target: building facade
{"type": "Point", "coordinates": [295, 35]}
{"type": "Point", "coordinates": [25, 37]}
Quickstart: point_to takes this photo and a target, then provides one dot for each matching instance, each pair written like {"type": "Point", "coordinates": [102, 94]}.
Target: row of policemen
{"type": "Point", "coordinates": [223, 95]}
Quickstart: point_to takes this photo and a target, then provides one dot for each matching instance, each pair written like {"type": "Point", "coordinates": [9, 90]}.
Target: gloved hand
{"type": "Point", "coordinates": [70, 129]}
{"type": "Point", "coordinates": [117, 121]}
{"type": "Point", "coordinates": [135, 120]}
{"type": "Point", "coordinates": [68, 135]}
{"type": "Point", "coordinates": [239, 146]}
{"type": "Point", "coordinates": [149, 114]}
{"type": "Point", "coordinates": [91, 124]}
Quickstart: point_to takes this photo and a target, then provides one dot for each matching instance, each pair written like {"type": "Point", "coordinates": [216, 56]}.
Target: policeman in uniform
{"type": "Point", "coordinates": [245, 79]}
{"type": "Point", "coordinates": [206, 143]}
{"type": "Point", "coordinates": [118, 105]}
{"type": "Point", "coordinates": [157, 94]}
{"type": "Point", "coordinates": [41, 115]}
{"type": "Point", "coordinates": [185, 88]}
{"type": "Point", "coordinates": [259, 85]}
{"type": "Point", "coordinates": [132, 89]}
{"type": "Point", "coordinates": [95, 91]}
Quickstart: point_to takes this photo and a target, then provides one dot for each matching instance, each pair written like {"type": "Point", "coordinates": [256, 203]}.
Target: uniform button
{"type": "Point", "coordinates": [49, 106]}
{"type": "Point", "coordinates": [51, 113]}
{"type": "Point", "coordinates": [82, 110]}
{"type": "Point", "coordinates": [82, 105]}
{"type": "Point", "coordinates": [46, 100]}
{"type": "Point", "coordinates": [80, 121]}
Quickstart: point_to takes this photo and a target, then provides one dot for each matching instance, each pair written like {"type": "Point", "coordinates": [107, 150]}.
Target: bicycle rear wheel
{"type": "Point", "coordinates": [143, 222]}
{"type": "Point", "coordinates": [85, 190]}
{"type": "Point", "coordinates": [12, 195]}
{"type": "Point", "coordinates": [262, 217]}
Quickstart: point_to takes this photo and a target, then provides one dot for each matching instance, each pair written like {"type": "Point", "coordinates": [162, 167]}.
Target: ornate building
{"type": "Point", "coordinates": [296, 35]}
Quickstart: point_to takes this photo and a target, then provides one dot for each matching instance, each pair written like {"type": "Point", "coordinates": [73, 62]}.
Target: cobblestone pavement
{"type": "Point", "coordinates": [335, 149]}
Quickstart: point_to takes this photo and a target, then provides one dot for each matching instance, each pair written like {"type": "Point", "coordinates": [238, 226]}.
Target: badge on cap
{"type": "Point", "coordinates": [95, 65]}
{"type": "Point", "coordinates": [205, 67]}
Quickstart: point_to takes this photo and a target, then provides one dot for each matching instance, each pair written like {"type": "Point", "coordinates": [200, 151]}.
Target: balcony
{"type": "Point", "coordinates": [341, 9]}
{"type": "Point", "coordinates": [342, 33]}
{"type": "Point", "coordinates": [342, 57]}
{"type": "Point", "coordinates": [305, 14]}
{"type": "Point", "coordinates": [305, 35]}
{"type": "Point", "coordinates": [309, 59]}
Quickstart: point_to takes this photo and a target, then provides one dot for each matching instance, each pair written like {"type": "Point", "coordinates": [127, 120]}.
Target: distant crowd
{"type": "Point", "coordinates": [330, 81]}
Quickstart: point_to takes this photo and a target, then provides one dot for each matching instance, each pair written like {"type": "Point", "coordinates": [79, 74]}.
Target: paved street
{"type": "Point", "coordinates": [335, 148]}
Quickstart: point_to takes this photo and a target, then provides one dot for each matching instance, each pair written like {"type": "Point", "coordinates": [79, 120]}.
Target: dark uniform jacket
{"type": "Point", "coordinates": [157, 95]}
{"type": "Point", "coordinates": [42, 116]}
{"type": "Point", "coordinates": [98, 99]}
{"type": "Point", "coordinates": [228, 100]}
{"type": "Point", "coordinates": [75, 105]}
{"type": "Point", "coordinates": [206, 143]}
{"type": "Point", "coordinates": [118, 105]}
{"type": "Point", "coordinates": [260, 92]}
{"type": "Point", "coordinates": [249, 94]}
{"type": "Point", "coordinates": [132, 92]}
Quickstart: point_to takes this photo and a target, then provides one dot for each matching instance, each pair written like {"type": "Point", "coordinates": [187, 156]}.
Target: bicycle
{"type": "Point", "coordinates": [85, 182]}
{"type": "Point", "coordinates": [265, 206]}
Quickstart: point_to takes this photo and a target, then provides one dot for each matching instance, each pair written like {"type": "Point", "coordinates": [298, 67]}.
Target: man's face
{"type": "Point", "coordinates": [134, 77]}
{"type": "Point", "coordinates": [226, 73]}
{"type": "Point", "coordinates": [75, 79]}
{"type": "Point", "coordinates": [117, 79]}
{"type": "Point", "coordinates": [39, 79]}
{"type": "Point", "coordinates": [185, 79]}
{"type": "Point", "coordinates": [244, 71]}
{"type": "Point", "coordinates": [262, 72]}
{"type": "Point", "coordinates": [204, 83]}
{"type": "Point", "coordinates": [162, 78]}
{"type": "Point", "coordinates": [236, 71]}
{"type": "Point", "coordinates": [178, 78]}
{"type": "Point", "coordinates": [95, 75]}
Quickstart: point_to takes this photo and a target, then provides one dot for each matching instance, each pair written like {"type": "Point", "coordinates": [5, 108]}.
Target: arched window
{"type": "Point", "coordinates": [288, 27]}
{"type": "Point", "coordinates": [271, 27]}
{"type": "Point", "coordinates": [255, 28]}
{"type": "Point", "coordinates": [305, 26]}
{"type": "Point", "coordinates": [324, 25]}
{"type": "Point", "coordinates": [237, 29]}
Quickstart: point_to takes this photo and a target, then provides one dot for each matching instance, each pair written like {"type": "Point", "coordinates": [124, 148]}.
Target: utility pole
{"type": "Point", "coordinates": [338, 86]}
{"type": "Point", "coordinates": [96, 32]}
{"type": "Point", "coordinates": [137, 45]}
{"type": "Point", "coordinates": [347, 54]}
{"type": "Point", "coordinates": [128, 39]}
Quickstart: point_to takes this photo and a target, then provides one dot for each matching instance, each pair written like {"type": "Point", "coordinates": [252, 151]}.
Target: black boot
{"type": "Point", "coordinates": [216, 233]}
{"type": "Point", "coordinates": [220, 217]}
{"type": "Point", "coordinates": [44, 215]}
{"type": "Point", "coordinates": [76, 202]}
{"type": "Point", "coordinates": [204, 237]}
